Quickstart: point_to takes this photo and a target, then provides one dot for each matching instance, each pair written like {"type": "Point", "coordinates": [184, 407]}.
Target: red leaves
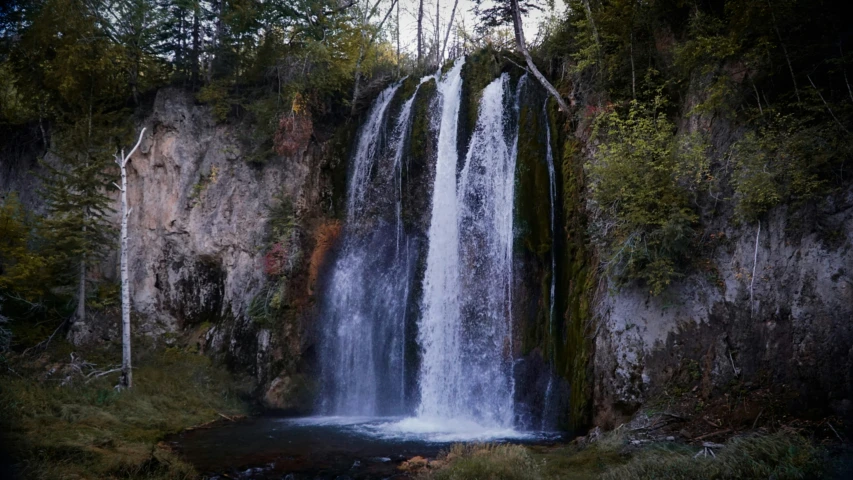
{"type": "Point", "coordinates": [293, 133]}
{"type": "Point", "coordinates": [275, 260]}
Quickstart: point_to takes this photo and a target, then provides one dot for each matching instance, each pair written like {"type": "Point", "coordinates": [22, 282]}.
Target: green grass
{"type": "Point", "coordinates": [89, 430]}
{"type": "Point", "coordinates": [777, 456]}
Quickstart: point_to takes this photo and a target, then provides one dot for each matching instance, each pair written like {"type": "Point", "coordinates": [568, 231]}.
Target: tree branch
{"type": "Point", "coordinates": [449, 27]}
{"type": "Point", "coordinates": [138, 142]}
{"type": "Point", "coordinates": [522, 46]}
{"type": "Point", "coordinates": [341, 8]}
{"type": "Point", "coordinates": [754, 264]}
{"type": "Point", "coordinates": [827, 106]}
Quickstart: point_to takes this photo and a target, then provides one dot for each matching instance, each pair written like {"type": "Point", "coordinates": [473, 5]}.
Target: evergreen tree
{"type": "Point", "coordinates": [78, 204]}
{"type": "Point", "coordinates": [133, 25]}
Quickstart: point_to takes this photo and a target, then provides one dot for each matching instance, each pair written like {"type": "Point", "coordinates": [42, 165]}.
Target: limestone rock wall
{"type": "Point", "coordinates": [197, 241]}
{"type": "Point", "coordinates": [197, 238]}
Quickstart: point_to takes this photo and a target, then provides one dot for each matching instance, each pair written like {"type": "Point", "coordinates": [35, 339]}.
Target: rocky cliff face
{"type": "Point", "coordinates": [719, 332]}
{"type": "Point", "coordinates": [197, 241]}
{"type": "Point", "coordinates": [197, 234]}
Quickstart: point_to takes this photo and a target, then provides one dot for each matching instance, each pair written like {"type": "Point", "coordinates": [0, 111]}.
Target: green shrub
{"type": "Point", "coordinates": [216, 95]}
{"type": "Point", "coordinates": [788, 160]}
{"type": "Point", "coordinates": [640, 182]}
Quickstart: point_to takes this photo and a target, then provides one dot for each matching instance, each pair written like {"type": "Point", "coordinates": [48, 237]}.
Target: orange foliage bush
{"type": "Point", "coordinates": [293, 134]}
{"type": "Point", "coordinates": [325, 237]}
{"type": "Point", "coordinates": [294, 129]}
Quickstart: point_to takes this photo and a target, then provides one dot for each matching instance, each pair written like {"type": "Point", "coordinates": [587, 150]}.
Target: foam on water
{"type": "Point", "coordinates": [418, 429]}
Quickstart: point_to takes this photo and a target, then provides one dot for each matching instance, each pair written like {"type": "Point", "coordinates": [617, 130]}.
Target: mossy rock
{"type": "Point", "coordinates": [532, 193]}
{"type": "Point", "coordinates": [404, 93]}
{"type": "Point", "coordinates": [577, 283]}
{"type": "Point", "coordinates": [338, 164]}
{"type": "Point", "coordinates": [480, 69]}
{"type": "Point", "coordinates": [419, 169]}
{"type": "Point", "coordinates": [566, 344]}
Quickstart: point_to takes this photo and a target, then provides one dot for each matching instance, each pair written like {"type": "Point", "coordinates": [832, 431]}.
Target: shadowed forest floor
{"type": "Point", "coordinates": [63, 420]}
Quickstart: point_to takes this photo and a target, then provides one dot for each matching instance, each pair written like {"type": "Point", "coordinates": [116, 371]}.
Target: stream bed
{"type": "Point", "coordinates": [334, 448]}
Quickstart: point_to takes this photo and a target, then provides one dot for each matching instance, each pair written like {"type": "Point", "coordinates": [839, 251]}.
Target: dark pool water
{"type": "Point", "coordinates": [327, 447]}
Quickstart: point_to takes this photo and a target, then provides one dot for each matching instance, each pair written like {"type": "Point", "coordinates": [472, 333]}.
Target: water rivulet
{"type": "Point", "coordinates": [418, 316]}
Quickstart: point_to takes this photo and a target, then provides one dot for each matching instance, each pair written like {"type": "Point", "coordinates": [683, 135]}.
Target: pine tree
{"type": "Point", "coordinates": [133, 25]}
{"type": "Point", "coordinates": [76, 194]}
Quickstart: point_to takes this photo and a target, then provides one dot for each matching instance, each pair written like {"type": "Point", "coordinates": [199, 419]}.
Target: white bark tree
{"type": "Point", "coordinates": [447, 34]}
{"type": "Point", "coordinates": [126, 379]}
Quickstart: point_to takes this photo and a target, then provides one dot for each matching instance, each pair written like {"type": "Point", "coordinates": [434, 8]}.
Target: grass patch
{"type": "Point", "coordinates": [89, 430]}
{"type": "Point", "coordinates": [582, 462]}
{"type": "Point", "coordinates": [485, 462]}
{"type": "Point", "coordinates": [778, 456]}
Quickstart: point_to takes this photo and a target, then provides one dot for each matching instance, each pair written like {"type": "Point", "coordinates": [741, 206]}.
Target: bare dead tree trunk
{"type": "Point", "coordinates": [849, 91]}
{"type": "Point", "coordinates": [357, 87]}
{"type": "Point", "coordinates": [437, 38]}
{"type": "Point", "coordinates": [522, 47]}
{"type": "Point", "coordinates": [449, 27]}
{"type": "Point", "coordinates": [126, 379]}
{"type": "Point", "coordinates": [828, 108]}
{"type": "Point", "coordinates": [420, 32]}
{"type": "Point", "coordinates": [754, 265]}
{"type": "Point", "coordinates": [757, 98]}
{"type": "Point", "coordinates": [399, 67]}
{"type": "Point", "coordinates": [195, 56]}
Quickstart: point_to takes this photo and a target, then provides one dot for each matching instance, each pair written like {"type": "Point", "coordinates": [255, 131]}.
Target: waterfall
{"type": "Point", "coordinates": [441, 280]}
{"type": "Point", "coordinates": [465, 330]}
{"type": "Point", "coordinates": [363, 336]}
{"type": "Point", "coordinates": [549, 159]}
{"type": "Point", "coordinates": [463, 364]}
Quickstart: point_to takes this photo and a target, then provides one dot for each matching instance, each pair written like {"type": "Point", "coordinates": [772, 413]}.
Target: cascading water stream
{"type": "Point", "coordinates": [363, 341]}
{"type": "Point", "coordinates": [464, 365]}
{"type": "Point", "coordinates": [437, 328]}
{"type": "Point", "coordinates": [465, 330]}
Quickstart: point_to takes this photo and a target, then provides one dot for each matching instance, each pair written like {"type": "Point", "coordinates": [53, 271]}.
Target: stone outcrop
{"type": "Point", "coordinates": [197, 233]}
{"type": "Point", "coordinates": [198, 239]}
{"type": "Point", "coordinates": [789, 330]}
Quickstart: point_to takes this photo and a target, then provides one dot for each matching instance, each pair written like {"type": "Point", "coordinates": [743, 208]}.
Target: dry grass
{"type": "Point", "coordinates": [485, 462]}
{"type": "Point", "coordinates": [91, 431]}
